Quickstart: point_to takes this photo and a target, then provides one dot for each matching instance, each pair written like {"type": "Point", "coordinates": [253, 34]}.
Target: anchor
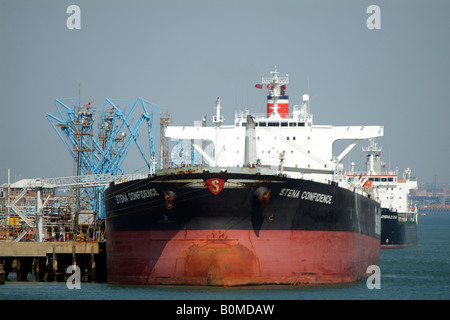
{"type": "Point", "coordinates": [169, 197]}
{"type": "Point", "coordinates": [263, 195]}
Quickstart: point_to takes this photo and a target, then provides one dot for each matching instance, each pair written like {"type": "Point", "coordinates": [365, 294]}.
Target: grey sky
{"type": "Point", "coordinates": [182, 55]}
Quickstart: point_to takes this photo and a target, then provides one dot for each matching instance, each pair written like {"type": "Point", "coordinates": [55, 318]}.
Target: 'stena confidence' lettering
{"type": "Point", "coordinates": [142, 194]}
{"type": "Point", "coordinates": [306, 195]}
{"type": "Point", "coordinates": [289, 193]}
{"type": "Point", "coordinates": [136, 195]}
{"type": "Point", "coordinates": [317, 197]}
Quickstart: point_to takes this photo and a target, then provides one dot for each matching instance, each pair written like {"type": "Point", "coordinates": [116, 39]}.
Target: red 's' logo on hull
{"type": "Point", "coordinates": [215, 185]}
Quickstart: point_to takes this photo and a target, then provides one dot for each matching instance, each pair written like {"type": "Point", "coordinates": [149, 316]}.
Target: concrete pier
{"type": "Point", "coordinates": [50, 260]}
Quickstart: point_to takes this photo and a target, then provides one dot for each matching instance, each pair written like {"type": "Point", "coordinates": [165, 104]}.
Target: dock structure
{"type": "Point", "coordinates": [48, 261]}
{"type": "Point", "coordinates": [35, 209]}
{"type": "Point", "coordinates": [49, 224]}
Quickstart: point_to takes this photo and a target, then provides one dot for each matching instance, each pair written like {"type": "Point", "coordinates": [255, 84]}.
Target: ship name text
{"type": "Point", "coordinates": [306, 195]}
{"type": "Point", "coordinates": [136, 195]}
{"type": "Point", "coordinates": [388, 216]}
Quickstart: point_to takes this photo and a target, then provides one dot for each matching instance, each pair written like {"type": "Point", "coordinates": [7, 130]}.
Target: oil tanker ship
{"type": "Point", "coordinates": [269, 204]}
{"type": "Point", "coordinates": [398, 214]}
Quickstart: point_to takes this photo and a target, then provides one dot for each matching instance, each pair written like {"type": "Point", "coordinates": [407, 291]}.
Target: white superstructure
{"type": "Point", "coordinates": [393, 191]}
{"type": "Point", "coordinates": [287, 142]}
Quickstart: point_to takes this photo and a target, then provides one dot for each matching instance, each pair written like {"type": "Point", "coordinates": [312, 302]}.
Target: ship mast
{"type": "Point", "coordinates": [277, 100]}
{"type": "Point", "coordinates": [217, 119]}
{"type": "Point", "coordinates": [373, 161]}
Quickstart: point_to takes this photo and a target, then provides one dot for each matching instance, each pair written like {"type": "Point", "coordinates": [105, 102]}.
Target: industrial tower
{"type": "Point", "coordinates": [104, 151]}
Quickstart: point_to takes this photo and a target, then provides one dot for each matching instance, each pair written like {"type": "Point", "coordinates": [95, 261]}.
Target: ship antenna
{"type": "Point", "coordinates": [309, 95]}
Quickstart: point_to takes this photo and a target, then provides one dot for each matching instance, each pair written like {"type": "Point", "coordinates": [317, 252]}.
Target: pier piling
{"type": "Point", "coordinates": [50, 260]}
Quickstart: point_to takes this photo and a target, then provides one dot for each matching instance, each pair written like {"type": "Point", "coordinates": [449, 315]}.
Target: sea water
{"type": "Point", "coordinates": [416, 273]}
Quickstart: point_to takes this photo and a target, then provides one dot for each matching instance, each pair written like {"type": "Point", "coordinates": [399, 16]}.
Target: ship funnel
{"type": "Point", "coordinates": [277, 100]}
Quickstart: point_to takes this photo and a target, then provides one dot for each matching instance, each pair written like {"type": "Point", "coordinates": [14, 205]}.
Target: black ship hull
{"type": "Point", "coordinates": [235, 229]}
{"type": "Point", "coordinates": [396, 233]}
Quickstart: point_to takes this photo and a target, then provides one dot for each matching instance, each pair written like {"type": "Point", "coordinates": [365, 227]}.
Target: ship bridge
{"type": "Point", "coordinates": [290, 141]}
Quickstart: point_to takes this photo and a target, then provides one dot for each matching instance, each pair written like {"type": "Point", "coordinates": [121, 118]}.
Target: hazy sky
{"type": "Point", "coordinates": [182, 55]}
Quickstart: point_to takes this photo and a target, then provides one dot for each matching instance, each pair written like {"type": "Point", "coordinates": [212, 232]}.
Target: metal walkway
{"type": "Point", "coordinates": [35, 219]}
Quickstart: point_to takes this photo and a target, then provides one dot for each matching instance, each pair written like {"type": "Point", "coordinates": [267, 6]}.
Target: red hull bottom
{"type": "Point", "coordinates": [239, 257]}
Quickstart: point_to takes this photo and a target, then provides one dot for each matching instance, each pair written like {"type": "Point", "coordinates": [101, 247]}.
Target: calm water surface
{"type": "Point", "coordinates": [421, 272]}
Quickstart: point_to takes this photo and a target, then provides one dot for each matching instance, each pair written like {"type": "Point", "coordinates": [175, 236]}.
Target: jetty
{"type": "Point", "coordinates": [48, 261]}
